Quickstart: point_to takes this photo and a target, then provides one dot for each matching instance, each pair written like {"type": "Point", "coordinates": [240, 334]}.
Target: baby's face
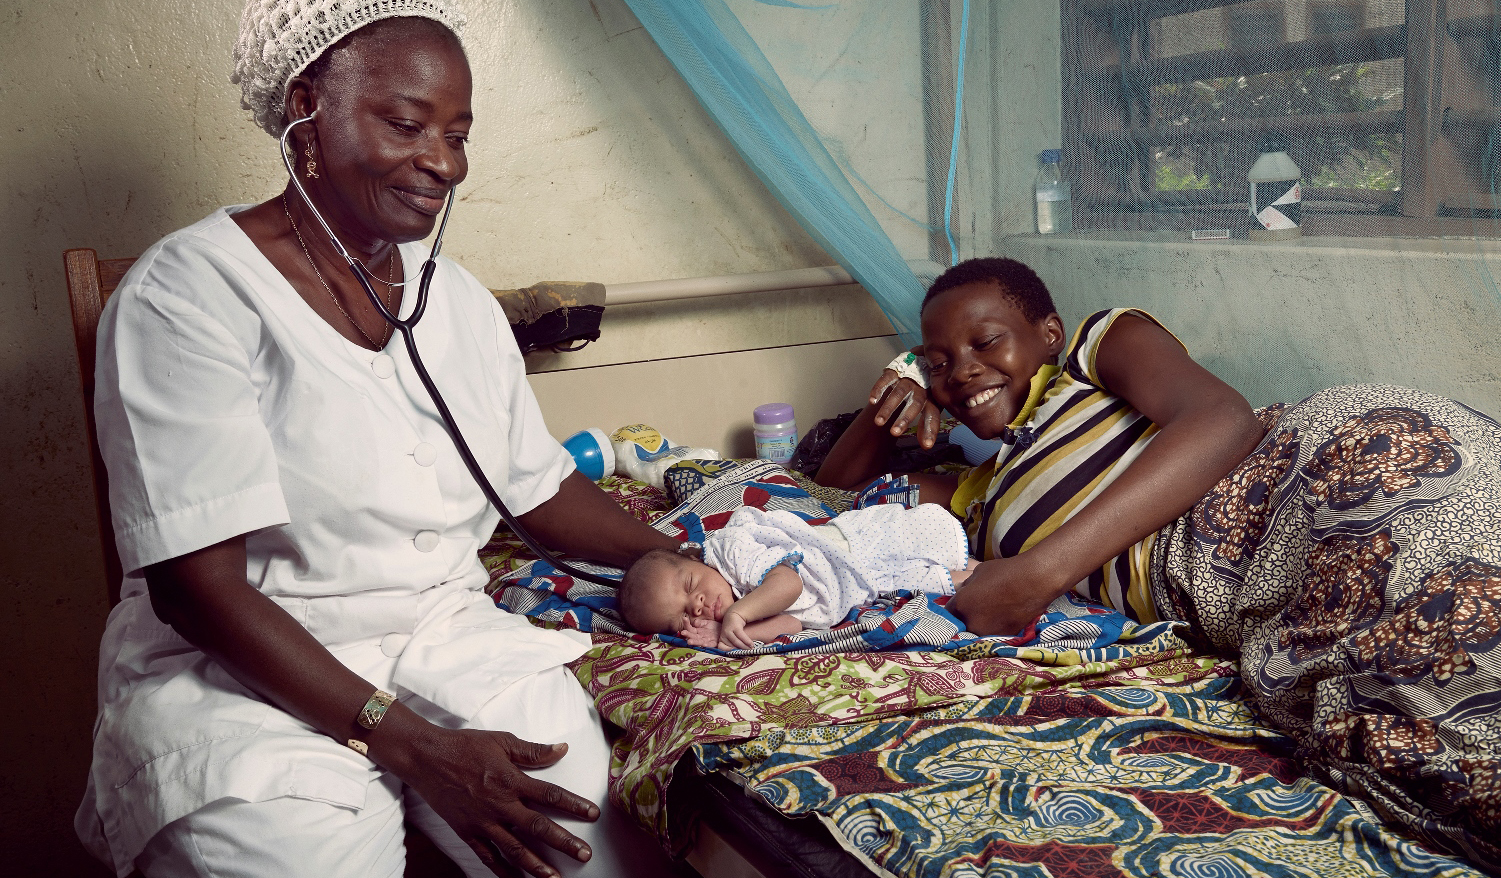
{"type": "Point", "coordinates": [690, 590]}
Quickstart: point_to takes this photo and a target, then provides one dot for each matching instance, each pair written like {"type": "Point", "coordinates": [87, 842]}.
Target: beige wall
{"type": "Point", "coordinates": [591, 161]}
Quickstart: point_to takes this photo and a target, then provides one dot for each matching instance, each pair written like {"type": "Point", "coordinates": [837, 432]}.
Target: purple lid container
{"type": "Point", "coordinates": [773, 413]}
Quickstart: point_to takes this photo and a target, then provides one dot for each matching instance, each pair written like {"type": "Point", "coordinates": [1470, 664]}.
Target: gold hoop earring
{"type": "Point", "coordinates": [312, 166]}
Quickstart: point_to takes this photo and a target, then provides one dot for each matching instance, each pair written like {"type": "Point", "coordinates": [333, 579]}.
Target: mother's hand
{"type": "Point", "coordinates": [477, 782]}
{"type": "Point", "coordinates": [903, 402]}
{"type": "Point", "coordinates": [1004, 596]}
{"type": "Point", "coordinates": [864, 450]}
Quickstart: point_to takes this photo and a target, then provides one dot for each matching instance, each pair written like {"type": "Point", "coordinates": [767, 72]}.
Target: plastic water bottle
{"type": "Point", "coordinates": [1276, 192]}
{"type": "Point", "coordinates": [642, 453]}
{"type": "Point", "coordinates": [776, 431]}
{"type": "Point", "coordinates": [1055, 209]}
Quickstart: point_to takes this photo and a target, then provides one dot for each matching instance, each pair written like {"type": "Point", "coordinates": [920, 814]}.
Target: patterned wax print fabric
{"type": "Point", "coordinates": [904, 620]}
{"type": "Point", "coordinates": [1353, 562]}
{"type": "Point", "coordinates": [1171, 774]}
{"type": "Point", "coordinates": [668, 700]}
{"type": "Point", "coordinates": [1077, 440]}
{"type": "Point", "coordinates": [857, 557]}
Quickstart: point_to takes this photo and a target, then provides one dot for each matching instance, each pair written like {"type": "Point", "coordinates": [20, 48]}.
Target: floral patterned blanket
{"type": "Point", "coordinates": [1074, 781]}
{"type": "Point", "coordinates": [670, 699]}
{"type": "Point", "coordinates": [1141, 758]}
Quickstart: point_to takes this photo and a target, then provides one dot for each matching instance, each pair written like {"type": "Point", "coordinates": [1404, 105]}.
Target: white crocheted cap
{"type": "Point", "coordinates": [280, 38]}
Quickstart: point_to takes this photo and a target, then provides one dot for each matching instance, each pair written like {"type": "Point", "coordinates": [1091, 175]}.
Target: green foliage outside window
{"type": "Point", "coordinates": [1334, 157]}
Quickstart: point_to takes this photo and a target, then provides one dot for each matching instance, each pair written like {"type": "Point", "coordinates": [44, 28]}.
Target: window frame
{"type": "Point", "coordinates": [1447, 108]}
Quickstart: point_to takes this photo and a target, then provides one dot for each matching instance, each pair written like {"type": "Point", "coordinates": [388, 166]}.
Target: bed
{"type": "Point", "coordinates": [897, 744]}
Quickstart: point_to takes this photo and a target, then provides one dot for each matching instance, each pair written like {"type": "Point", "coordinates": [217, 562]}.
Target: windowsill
{"type": "Point", "coordinates": [1439, 246]}
{"type": "Point", "coordinates": [1316, 224]}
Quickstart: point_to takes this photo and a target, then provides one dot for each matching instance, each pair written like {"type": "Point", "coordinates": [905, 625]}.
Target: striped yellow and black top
{"type": "Point", "coordinates": [1076, 441]}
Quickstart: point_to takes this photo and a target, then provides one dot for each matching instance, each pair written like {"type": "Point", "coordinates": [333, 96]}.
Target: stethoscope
{"type": "Point", "coordinates": [405, 327]}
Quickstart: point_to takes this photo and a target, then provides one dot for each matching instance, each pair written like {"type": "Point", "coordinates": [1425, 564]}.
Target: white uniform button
{"type": "Point", "coordinates": [393, 644]}
{"type": "Point", "coordinates": [426, 540]}
{"type": "Point", "coordinates": [383, 365]}
{"type": "Point", "coordinates": [425, 454]}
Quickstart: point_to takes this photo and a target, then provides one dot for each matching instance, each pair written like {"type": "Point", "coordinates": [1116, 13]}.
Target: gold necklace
{"type": "Point", "coordinates": [389, 281]}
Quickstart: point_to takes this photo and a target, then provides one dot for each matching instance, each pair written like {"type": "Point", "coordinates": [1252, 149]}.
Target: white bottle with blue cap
{"type": "Point", "coordinates": [1055, 209]}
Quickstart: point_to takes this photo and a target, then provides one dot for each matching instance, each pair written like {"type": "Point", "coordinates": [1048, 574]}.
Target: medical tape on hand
{"type": "Point", "coordinates": [911, 367]}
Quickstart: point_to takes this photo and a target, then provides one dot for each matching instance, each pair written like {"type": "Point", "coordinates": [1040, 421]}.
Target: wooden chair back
{"type": "Point", "coordinates": [90, 282]}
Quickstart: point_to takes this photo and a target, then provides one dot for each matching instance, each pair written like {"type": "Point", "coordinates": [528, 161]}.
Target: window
{"type": "Point", "coordinates": [1389, 107]}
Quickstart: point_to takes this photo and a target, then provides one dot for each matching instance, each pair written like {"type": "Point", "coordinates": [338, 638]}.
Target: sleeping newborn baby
{"type": "Point", "coordinates": [765, 574]}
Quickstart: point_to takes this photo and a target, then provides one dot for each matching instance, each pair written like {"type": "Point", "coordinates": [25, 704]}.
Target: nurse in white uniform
{"type": "Point", "coordinates": [303, 657]}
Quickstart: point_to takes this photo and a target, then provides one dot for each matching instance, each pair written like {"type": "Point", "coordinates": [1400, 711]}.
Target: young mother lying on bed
{"type": "Point", "coordinates": [1347, 548]}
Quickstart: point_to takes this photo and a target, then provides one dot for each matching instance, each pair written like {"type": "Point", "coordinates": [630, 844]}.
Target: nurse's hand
{"type": "Point", "coordinates": [476, 782]}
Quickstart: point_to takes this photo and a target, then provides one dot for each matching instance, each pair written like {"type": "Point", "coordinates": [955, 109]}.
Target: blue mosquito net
{"type": "Point", "coordinates": [742, 91]}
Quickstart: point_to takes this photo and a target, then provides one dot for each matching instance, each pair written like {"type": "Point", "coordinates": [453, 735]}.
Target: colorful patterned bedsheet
{"type": "Point", "coordinates": [1136, 759]}
{"type": "Point", "coordinates": [1144, 780]}
{"type": "Point", "coordinates": [986, 758]}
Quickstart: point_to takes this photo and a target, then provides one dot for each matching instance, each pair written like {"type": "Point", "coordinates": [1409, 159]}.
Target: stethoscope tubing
{"type": "Point", "coordinates": [405, 328]}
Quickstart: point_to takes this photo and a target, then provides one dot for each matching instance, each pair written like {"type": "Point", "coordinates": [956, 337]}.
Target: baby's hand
{"type": "Point", "coordinates": [732, 632]}
{"type": "Point", "coordinates": [701, 632]}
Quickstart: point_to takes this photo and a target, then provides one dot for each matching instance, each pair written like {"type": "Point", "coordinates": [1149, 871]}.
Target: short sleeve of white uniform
{"type": "Point", "coordinates": [190, 462]}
